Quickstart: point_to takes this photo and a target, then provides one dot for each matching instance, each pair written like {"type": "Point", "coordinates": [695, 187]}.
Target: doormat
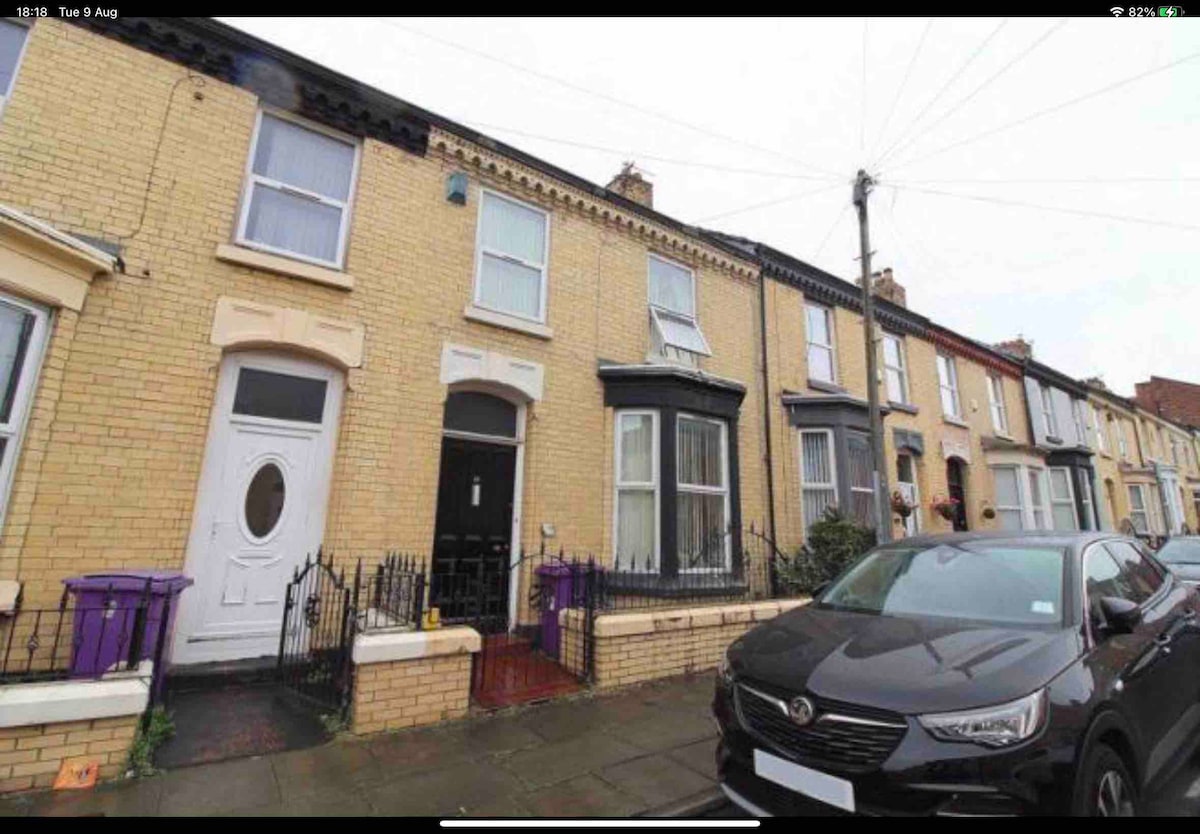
{"type": "Point", "coordinates": [228, 722]}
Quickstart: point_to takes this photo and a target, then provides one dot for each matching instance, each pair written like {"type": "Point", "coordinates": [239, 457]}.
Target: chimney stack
{"type": "Point", "coordinates": [884, 286]}
{"type": "Point", "coordinates": [630, 185]}
{"type": "Point", "coordinates": [1017, 347]}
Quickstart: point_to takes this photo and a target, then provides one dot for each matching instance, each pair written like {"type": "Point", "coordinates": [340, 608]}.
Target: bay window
{"type": "Point", "coordinates": [298, 190]}
{"type": "Point", "coordinates": [1062, 499]}
{"type": "Point", "coordinates": [1009, 510]}
{"type": "Point", "coordinates": [702, 492]}
{"type": "Point", "coordinates": [862, 479]}
{"type": "Point", "coordinates": [511, 254]}
{"type": "Point", "coordinates": [818, 484]}
{"type": "Point", "coordinates": [23, 329]}
{"type": "Point", "coordinates": [636, 536]}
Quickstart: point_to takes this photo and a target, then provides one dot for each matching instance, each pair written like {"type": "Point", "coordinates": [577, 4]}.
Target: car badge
{"type": "Point", "coordinates": [801, 710]}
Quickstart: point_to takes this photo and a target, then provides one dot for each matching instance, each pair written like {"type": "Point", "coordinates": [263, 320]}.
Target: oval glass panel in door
{"type": "Point", "coordinates": [264, 500]}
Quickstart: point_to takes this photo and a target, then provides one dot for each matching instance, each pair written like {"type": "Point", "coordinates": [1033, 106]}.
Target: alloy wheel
{"type": "Point", "coordinates": [1113, 798]}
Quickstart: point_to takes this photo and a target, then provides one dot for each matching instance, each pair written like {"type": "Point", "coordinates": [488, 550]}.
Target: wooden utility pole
{"type": "Point", "coordinates": [883, 515]}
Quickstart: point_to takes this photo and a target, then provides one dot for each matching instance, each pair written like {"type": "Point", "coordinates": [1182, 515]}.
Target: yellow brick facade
{"type": "Point", "coordinates": [31, 757]}
{"type": "Point", "coordinates": [410, 693]}
{"type": "Point", "coordinates": [116, 439]}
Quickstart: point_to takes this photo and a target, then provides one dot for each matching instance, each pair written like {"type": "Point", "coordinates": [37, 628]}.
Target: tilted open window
{"type": "Point", "coordinates": [675, 333]}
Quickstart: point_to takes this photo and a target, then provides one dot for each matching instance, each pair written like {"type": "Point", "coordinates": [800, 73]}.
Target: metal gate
{"type": "Point", "coordinates": [525, 654]}
{"type": "Point", "coordinates": [320, 616]}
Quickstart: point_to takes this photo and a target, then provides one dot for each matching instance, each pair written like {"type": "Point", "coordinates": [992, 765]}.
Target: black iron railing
{"type": "Point", "coordinates": [395, 593]}
{"type": "Point", "coordinates": [102, 631]}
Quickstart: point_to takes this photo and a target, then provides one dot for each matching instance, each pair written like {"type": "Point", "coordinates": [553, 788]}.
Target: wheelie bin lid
{"type": "Point", "coordinates": [161, 581]}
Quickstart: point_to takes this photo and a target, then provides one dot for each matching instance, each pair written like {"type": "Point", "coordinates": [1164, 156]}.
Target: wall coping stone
{"type": "Point", "coordinates": [389, 646]}
{"type": "Point", "coordinates": [55, 702]}
{"type": "Point", "coordinates": [679, 619]}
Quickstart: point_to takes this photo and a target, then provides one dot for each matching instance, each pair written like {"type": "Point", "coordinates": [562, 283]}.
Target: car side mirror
{"type": "Point", "coordinates": [1120, 615]}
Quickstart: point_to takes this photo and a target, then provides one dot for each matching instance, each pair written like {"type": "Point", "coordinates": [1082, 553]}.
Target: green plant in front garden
{"type": "Point", "coordinates": [834, 541]}
{"type": "Point", "coordinates": [152, 732]}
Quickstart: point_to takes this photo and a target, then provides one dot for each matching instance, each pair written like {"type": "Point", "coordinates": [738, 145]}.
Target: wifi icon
{"type": "Point", "coordinates": [1116, 11]}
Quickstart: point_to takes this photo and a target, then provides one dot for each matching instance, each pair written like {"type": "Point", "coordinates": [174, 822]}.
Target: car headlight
{"type": "Point", "coordinates": [997, 726]}
{"type": "Point", "coordinates": [725, 671]}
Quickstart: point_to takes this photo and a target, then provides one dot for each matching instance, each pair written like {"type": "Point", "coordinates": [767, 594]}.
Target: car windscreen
{"type": "Point", "coordinates": [1180, 552]}
{"type": "Point", "coordinates": [1010, 584]}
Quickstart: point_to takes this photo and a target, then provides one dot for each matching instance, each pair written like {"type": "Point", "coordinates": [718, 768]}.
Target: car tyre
{"type": "Point", "coordinates": [1105, 786]}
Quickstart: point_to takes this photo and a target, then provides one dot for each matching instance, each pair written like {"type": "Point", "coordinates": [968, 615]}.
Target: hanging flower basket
{"type": "Point", "coordinates": [947, 508]}
{"type": "Point", "coordinates": [900, 506]}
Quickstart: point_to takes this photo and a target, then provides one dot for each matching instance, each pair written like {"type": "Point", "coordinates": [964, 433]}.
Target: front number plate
{"type": "Point", "coordinates": [812, 783]}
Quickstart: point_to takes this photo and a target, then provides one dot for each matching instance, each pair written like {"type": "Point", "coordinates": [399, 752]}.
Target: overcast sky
{"type": "Point", "coordinates": [729, 115]}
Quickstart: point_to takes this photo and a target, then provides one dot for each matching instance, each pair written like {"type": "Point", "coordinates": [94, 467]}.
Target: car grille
{"type": "Point", "coordinates": [839, 744]}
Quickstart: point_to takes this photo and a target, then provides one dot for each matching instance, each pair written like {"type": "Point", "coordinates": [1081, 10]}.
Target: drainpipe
{"type": "Point", "coordinates": [767, 399]}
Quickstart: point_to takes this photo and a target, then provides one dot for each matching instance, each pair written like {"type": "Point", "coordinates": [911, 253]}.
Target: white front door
{"type": "Point", "coordinates": [260, 510]}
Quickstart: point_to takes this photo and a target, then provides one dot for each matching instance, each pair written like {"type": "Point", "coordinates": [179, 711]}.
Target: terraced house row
{"type": "Point", "coordinates": [252, 306]}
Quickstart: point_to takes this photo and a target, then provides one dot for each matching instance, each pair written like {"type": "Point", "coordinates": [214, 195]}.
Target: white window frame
{"type": "Point", "coordinates": [810, 344]}
{"type": "Point", "coordinates": [1144, 512]}
{"type": "Point", "coordinates": [697, 489]}
{"type": "Point", "coordinates": [1098, 427]}
{"type": "Point", "coordinates": [1022, 492]}
{"type": "Point", "coordinates": [1042, 506]}
{"type": "Point", "coordinates": [250, 180]}
{"type": "Point", "coordinates": [901, 370]}
{"type": "Point", "coordinates": [653, 486]}
{"type": "Point", "coordinates": [1065, 501]}
{"type": "Point", "coordinates": [950, 384]}
{"type": "Point", "coordinates": [825, 486]}
{"type": "Point", "coordinates": [996, 404]}
{"type": "Point", "coordinates": [5, 95]}
{"type": "Point", "coordinates": [13, 431]}
{"type": "Point", "coordinates": [1049, 418]}
{"type": "Point", "coordinates": [667, 351]}
{"type": "Point", "coordinates": [1122, 439]}
{"type": "Point", "coordinates": [912, 524]}
{"type": "Point", "coordinates": [1079, 422]}
{"type": "Point", "coordinates": [481, 250]}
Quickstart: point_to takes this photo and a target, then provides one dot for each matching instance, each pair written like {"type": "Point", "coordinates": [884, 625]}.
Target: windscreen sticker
{"type": "Point", "coordinates": [1041, 606]}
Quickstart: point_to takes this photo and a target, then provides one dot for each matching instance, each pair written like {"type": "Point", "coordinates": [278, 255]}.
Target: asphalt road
{"type": "Point", "coordinates": [1179, 797]}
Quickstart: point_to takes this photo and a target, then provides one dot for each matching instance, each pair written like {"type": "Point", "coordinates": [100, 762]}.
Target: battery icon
{"type": "Point", "coordinates": [1169, 11]}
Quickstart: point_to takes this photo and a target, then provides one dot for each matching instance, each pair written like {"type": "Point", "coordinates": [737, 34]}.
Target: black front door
{"type": "Point", "coordinates": [954, 485]}
{"type": "Point", "coordinates": [472, 536]}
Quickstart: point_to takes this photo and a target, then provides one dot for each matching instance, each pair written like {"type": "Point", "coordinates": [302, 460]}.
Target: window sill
{"type": "Point", "coordinates": [905, 407]}
{"type": "Point", "coordinates": [956, 421]}
{"type": "Point", "coordinates": [267, 262]}
{"type": "Point", "coordinates": [520, 325]}
{"type": "Point", "coordinates": [1057, 441]}
{"type": "Point", "coordinates": [1007, 437]}
{"type": "Point", "coordinates": [827, 387]}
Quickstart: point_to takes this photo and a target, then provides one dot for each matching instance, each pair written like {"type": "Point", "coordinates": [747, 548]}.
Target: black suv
{"type": "Point", "coordinates": [968, 674]}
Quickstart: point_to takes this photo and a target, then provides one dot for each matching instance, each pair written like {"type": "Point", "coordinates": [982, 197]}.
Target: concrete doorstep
{"type": "Point", "coordinates": [647, 750]}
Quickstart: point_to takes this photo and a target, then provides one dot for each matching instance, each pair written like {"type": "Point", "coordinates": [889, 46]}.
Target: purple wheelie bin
{"type": "Point", "coordinates": [559, 582]}
{"type": "Point", "coordinates": [107, 607]}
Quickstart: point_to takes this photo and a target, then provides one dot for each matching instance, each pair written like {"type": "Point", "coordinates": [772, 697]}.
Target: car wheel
{"type": "Point", "coordinates": [1105, 788]}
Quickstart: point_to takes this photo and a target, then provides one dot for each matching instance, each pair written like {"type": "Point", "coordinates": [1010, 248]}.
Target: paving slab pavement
{"type": "Point", "coordinates": [636, 751]}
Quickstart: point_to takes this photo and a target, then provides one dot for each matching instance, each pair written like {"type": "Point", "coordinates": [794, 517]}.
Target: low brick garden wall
{"type": "Point", "coordinates": [44, 725]}
{"type": "Point", "coordinates": [410, 678]}
{"type": "Point", "coordinates": [636, 646]}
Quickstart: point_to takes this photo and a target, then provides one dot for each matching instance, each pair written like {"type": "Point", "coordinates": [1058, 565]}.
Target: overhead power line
{"type": "Point", "coordinates": [609, 98]}
{"type": "Point", "coordinates": [1049, 181]}
{"type": "Point", "coordinates": [640, 155]}
{"type": "Point", "coordinates": [832, 226]}
{"type": "Point", "coordinates": [1166, 224]}
{"type": "Point", "coordinates": [1046, 111]}
{"type": "Point", "coordinates": [789, 198]}
{"type": "Point", "coordinates": [967, 98]}
{"type": "Point", "coordinates": [949, 82]}
{"type": "Point", "coordinates": [912, 62]}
